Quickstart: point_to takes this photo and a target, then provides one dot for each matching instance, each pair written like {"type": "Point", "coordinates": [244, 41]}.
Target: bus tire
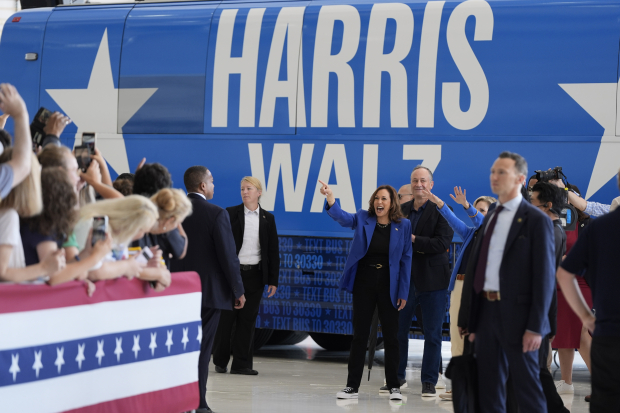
{"type": "Point", "coordinates": [332, 342]}
{"type": "Point", "coordinates": [261, 336]}
{"type": "Point", "coordinates": [287, 337]}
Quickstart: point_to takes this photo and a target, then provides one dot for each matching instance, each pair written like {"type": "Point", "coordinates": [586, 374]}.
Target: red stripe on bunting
{"type": "Point", "coordinates": [29, 297]}
{"type": "Point", "coordinates": [173, 400]}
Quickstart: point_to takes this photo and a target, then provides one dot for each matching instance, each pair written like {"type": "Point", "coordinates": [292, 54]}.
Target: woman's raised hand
{"type": "Point", "coordinates": [433, 198]}
{"type": "Point", "coordinates": [460, 196]}
{"type": "Point", "coordinates": [326, 190]}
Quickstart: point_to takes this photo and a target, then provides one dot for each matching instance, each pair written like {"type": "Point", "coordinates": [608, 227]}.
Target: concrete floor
{"type": "Point", "coordinates": [305, 378]}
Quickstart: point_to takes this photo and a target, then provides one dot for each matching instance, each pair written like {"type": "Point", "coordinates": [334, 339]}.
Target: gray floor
{"type": "Point", "coordinates": [305, 378]}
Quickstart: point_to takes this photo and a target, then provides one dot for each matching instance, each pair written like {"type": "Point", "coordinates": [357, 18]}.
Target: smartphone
{"type": "Point", "coordinates": [37, 126]}
{"type": "Point", "coordinates": [100, 228]}
{"type": "Point", "coordinates": [89, 139]}
{"type": "Point", "coordinates": [145, 255]}
{"type": "Point", "coordinates": [82, 154]}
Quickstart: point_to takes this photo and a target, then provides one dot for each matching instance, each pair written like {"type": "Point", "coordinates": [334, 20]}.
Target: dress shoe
{"type": "Point", "coordinates": [204, 410]}
{"type": "Point", "coordinates": [246, 371]}
{"type": "Point", "coordinates": [219, 369]}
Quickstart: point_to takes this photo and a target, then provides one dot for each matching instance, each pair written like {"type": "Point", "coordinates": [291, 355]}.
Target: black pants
{"type": "Point", "coordinates": [210, 318]}
{"type": "Point", "coordinates": [605, 375]}
{"type": "Point", "coordinates": [236, 327]}
{"type": "Point", "coordinates": [372, 289]}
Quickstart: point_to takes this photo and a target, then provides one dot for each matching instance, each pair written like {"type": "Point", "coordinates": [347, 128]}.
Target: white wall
{"type": "Point", "coordinates": [7, 9]}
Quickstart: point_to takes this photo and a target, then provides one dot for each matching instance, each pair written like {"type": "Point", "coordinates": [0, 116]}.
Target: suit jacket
{"type": "Point", "coordinates": [399, 255]}
{"type": "Point", "coordinates": [211, 253]}
{"type": "Point", "coordinates": [430, 265]}
{"type": "Point", "coordinates": [267, 237]}
{"type": "Point", "coordinates": [527, 276]}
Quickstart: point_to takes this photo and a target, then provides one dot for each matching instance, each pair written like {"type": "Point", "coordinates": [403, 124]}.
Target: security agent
{"type": "Point", "coordinates": [509, 287]}
{"type": "Point", "coordinates": [211, 253]}
{"type": "Point", "coordinates": [256, 241]}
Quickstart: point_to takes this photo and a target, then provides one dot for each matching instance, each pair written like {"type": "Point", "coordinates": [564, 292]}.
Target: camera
{"type": "Point", "coordinates": [549, 175]}
{"type": "Point", "coordinates": [567, 213]}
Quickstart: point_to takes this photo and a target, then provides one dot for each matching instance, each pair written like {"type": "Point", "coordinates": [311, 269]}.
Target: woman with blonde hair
{"type": "Point", "coordinates": [25, 200]}
{"type": "Point", "coordinates": [256, 241]}
{"type": "Point", "coordinates": [129, 219]}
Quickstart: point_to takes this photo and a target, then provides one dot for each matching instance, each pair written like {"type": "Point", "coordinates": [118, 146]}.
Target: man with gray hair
{"type": "Point", "coordinates": [430, 276]}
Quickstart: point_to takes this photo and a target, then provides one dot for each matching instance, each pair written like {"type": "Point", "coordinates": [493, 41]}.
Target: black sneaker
{"type": "Point", "coordinates": [347, 393]}
{"type": "Point", "coordinates": [395, 394]}
{"type": "Point", "coordinates": [386, 389]}
{"type": "Point", "coordinates": [428, 390]}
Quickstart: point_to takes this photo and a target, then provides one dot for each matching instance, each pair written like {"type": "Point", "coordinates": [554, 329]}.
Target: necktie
{"type": "Point", "coordinates": [481, 267]}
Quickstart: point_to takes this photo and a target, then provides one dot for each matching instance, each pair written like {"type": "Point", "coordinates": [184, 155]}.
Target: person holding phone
{"type": "Point", "coordinates": [256, 240]}
{"type": "Point", "coordinates": [377, 273]}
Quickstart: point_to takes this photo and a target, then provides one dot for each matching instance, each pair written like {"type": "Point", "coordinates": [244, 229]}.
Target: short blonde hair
{"type": "Point", "coordinates": [253, 181]}
{"type": "Point", "coordinates": [126, 216]}
{"type": "Point", "coordinates": [172, 203]}
{"type": "Point", "coordinates": [488, 199]}
{"type": "Point", "coordinates": [27, 197]}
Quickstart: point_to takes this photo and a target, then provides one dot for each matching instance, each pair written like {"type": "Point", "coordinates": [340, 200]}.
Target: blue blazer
{"type": "Point", "coordinates": [400, 249]}
{"type": "Point", "coordinates": [466, 233]}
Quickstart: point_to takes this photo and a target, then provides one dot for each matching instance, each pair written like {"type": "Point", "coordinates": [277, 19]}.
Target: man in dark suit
{"type": "Point", "coordinates": [508, 290]}
{"type": "Point", "coordinates": [256, 239]}
{"type": "Point", "coordinates": [430, 275]}
{"type": "Point", "coordinates": [211, 253]}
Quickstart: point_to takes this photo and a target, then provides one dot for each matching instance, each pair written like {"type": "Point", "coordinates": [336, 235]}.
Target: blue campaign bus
{"type": "Point", "coordinates": [353, 92]}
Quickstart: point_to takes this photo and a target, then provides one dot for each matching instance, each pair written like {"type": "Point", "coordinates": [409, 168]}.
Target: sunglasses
{"type": "Point", "coordinates": [400, 196]}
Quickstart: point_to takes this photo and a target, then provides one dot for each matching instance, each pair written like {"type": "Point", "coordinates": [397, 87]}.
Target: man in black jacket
{"type": "Point", "coordinates": [256, 239]}
{"type": "Point", "coordinates": [430, 275]}
{"type": "Point", "coordinates": [211, 253]}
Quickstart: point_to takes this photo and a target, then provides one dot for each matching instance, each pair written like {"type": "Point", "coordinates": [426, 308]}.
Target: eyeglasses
{"type": "Point", "coordinates": [400, 196]}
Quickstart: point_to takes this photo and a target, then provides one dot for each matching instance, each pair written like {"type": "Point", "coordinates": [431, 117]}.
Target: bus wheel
{"type": "Point", "coordinates": [287, 337]}
{"type": "Point", "coordinates": [261, 336]}
{"type": "Point", "coordinates": [332, 342]}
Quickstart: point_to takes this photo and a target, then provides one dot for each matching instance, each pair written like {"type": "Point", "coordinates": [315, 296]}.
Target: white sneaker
{"type": "Point", "coordinates": [564, 388]}
{"type": "Point", "coordinates": [446, 396]}
{"type": "Point", "coordinates": [441, 384]}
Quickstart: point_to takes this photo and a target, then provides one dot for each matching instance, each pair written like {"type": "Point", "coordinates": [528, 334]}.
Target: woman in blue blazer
{"type": "Point", "coordinates": [377, 273]}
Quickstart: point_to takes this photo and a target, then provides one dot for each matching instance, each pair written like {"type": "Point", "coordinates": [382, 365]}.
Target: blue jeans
{"type": "Point", "coordinates": [433, 304]}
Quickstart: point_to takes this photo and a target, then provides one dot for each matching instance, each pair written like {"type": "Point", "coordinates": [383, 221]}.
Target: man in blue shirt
{"type": "Point", "coordinates": [13, 172]}
{"type": "Point", "coordinates": [596, 252]}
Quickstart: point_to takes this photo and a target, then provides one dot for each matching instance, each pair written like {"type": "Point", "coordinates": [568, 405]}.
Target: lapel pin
{"type": "Point", "coordinates": [396, 229]}
{"type": "Point", "coordinates": [519, 220]}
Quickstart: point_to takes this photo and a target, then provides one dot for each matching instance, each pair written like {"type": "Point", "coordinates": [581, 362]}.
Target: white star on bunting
{"type": "Point", "coordinates": [199, 338]}
{"type": "Point", "coordinates": [14, 369]}
{"type": "Point", "coordinates": [37, 366]}
{"type": "Point", "coordinates": [600, 100]}
{"type": "Point", "coordinates": [169, 339]}
{"type": "Point", "coordinates": [185, 340]}
{"type": "Point", "coordinates": [136, 345]}
{"type": "Point", "coordinates": [60, 359]}
{"type": "Point", "coordinates": [153, 344]}
{"type": "Point", "coordinates": [96, 108]}
{"type": "Point", "coordinates": [119, 349]}
{"type": "Point", "coordinates": [100, 354]}
{"type": "Point", "coordinates": [80, 356]}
